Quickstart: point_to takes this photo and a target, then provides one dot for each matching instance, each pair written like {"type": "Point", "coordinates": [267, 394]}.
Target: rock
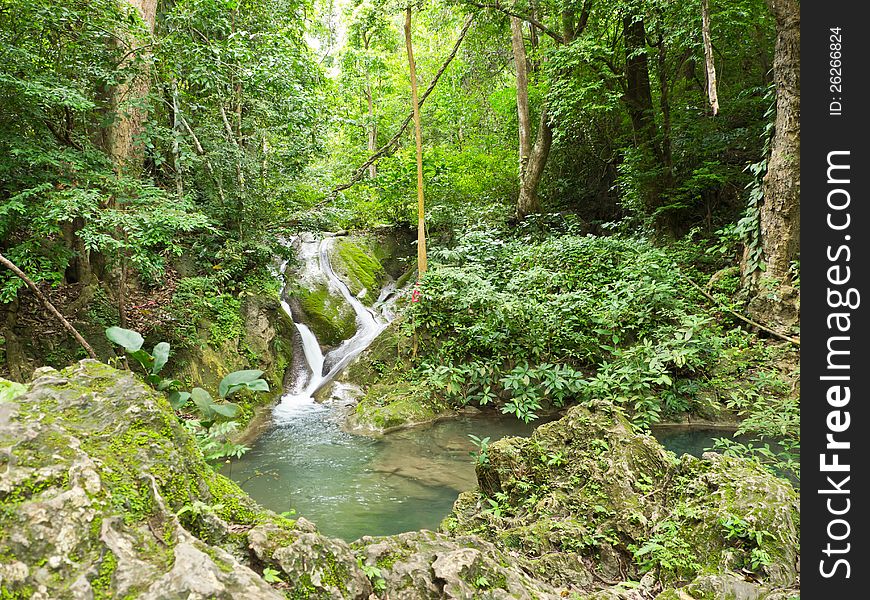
{"type": "Point", "coordinates": [320, 566]}
{"type": "Point", "coordinates": [420, 565]}
{"type": "Point", "coordinates": [388, 402]}
{"type": "Point", "coordinates": [104, 495]}
{"type": "Point", "coordinates": [588, 501]}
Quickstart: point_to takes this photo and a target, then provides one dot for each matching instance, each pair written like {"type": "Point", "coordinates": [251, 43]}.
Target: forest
{"type": "Point", "coordinates": [400, 299]}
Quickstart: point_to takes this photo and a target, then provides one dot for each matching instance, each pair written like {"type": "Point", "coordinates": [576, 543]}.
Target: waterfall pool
{"type": "Point", "coordinates": [352, 486]}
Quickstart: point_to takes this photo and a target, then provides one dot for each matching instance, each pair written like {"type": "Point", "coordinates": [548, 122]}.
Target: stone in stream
{"type": "Point", "coordinates": [105, 495]}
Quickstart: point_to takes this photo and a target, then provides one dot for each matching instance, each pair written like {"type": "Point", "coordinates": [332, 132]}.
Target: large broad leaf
{"type": "Point", "coordinates": [226, 410]}
{"type": "Point", "coordinates": [204, 403]}
{"type": "Point", "coordinates": [161, 355]}
{"type": "Point", "coordinates": [258, 385]}
{"type": "Point", "coordinates": [126, 338]}
{"type": "Point", "coordinates": [178, 399]}
{"type": "Point", "coordinates": [143, 358]}
{"type": "Point", "coordinates": [235, 378]}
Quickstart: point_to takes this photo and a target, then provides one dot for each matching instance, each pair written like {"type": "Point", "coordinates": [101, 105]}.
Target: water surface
{"type": "Point", "coordinates": [352, 485]}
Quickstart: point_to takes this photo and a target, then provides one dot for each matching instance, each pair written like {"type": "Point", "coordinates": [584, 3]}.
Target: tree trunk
{"type": "Point", "coordinates": [372, 131]}
{"type": "Point", "coordinates": [532, 158]}
{"type": "Point", "coordinates": [712, 92]}
{"type": "Point", "coordinates": [638, 92]}
{"type": "Point", "coordinates": [528, 202]}
{"type": "Point", "coordinates": [176, 137]}
{"type": "Point", "coordinates": [418, 136]}
{"type": "Point", "coordinates": [523, 119]}
{"type": "Point", "coordinates": [780, 208]}
{"type": "Point", "coordinates": [122, 144]}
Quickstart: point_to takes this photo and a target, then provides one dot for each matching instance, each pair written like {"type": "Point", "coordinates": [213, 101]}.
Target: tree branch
{"type": "Point", "coordinates": [525, 17]}
{"type": "Point", "coordinates": [394, 141]}
{"type": "Point", "coordinates": [66, 324]}
{"type": "Point", "coordinates": [782, 336]}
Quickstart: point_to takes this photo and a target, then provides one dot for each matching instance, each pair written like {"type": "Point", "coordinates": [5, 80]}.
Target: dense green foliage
{"type": "Point", "coordinates": [155, 165]}
{"type": "Point", "coordinates": [535, 321]}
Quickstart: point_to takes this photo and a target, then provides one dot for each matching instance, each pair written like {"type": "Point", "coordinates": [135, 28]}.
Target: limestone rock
{"type": "Point", "coordinates": [424, 565]}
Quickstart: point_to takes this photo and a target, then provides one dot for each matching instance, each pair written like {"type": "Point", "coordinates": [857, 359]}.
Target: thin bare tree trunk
{"type": "Point", "coordinates": [372, 131]}
{"type": "Point", "coordinates": [176, 134]}
{"type": "Point", "coordinates": [532, 158]}
{"type": "Point", "coordinates": [51, 308]}
{"type": "Point", "coordinates": [418, 136]}
{"type": "Point", "coordinates": [712, 93]}
{"type": "Point", "coordinates": [201, 152]}
{"type": "Point", "coordinates": [523, 121]}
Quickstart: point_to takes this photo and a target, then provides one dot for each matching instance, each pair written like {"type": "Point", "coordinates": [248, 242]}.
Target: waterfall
{"type": "Point", "coordinates": [319, 369]}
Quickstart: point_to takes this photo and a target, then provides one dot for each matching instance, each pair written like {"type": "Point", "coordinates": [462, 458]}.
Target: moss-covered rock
{"type": "Point", "coordinates": [424, 565]}
{"type": "Point", "coordinates": [327, 315]}
{"type": "Point", "coordinates": [388, 401]}
{"type": "Point", "coordinates": [386, 407]}
{"type": "Point", "coordinates": [265, 343]}
{"type": "Point", "coordinates": [590, 502]}
{"type": "Point", "coordinates": [104, 495]}
{"type": "Point", "coordinates": [355, 261]}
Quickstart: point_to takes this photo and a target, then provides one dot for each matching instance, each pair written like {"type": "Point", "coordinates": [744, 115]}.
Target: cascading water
{"type": "Point", "coordinates": [321, 369]}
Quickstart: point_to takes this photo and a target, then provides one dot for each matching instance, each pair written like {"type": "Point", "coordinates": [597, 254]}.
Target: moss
{"type": "Point", "coordinates": [102, 583]}
{"type": "Point", "coordinates": [386, 406]}
{"type": "Point", "coordinates": [359, 268]}
{"type": "Point", "coordinates": [335, 574]}
{"type": "Point", "coordinates": [328, 316]}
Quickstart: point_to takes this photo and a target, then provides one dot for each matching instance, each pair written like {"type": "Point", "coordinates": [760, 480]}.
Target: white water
{"type": "Point", "coordinates": [321, 369]}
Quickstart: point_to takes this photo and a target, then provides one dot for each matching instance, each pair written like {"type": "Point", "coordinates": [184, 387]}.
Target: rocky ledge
{"type": "Point", "coordinates": [103, 494]}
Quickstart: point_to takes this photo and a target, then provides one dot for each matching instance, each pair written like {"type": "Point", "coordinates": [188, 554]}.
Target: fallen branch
{"type": "Point", "coordinates": [66, 324]}
{"type": "Point", "coordinates": [394, 141]}
{"type": "Point", "coordinates": [743, 318]}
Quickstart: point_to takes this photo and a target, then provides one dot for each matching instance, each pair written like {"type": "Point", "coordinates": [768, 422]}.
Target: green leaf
{"type": "Point", "coordinates": [178, 399]}
{"type": "Point", "coordinates": [226, 410]}
{"type": "Point", "coordinates": [161, 356]}
{"type": "Point", "coordinates": [204, 402]}
{"type": "Point", "coordinates": [143, 358]}
{"type": "Point", "coordinates": [235, 378]}
{"type": "Point", "coordinates": [126, 338]}
{"type": "Point", "coordinates": [165, 384]}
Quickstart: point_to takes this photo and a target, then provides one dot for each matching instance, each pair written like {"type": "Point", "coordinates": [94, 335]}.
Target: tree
{"type": "Point", "coordinates": [780, 208]}
{"type": "Point", "coordinates": [370, 36]}
{"type": "Point", "coordinates": [532, 158]}
{"type": "Point", "coordinates": [418, 137]}
{"type": "Point", "coordinates": [128, 105]}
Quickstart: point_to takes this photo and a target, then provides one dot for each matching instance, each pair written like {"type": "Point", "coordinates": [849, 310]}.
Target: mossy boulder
{"type": "Point", "coordinates": [355, 261]}
{"type": "Point", "coordinates": [391, 406]}
{"type": "Point", "coordinates": [389, 402]}
{"type": "Point", "coordinates": [580, 486]}
{"type": "Point", "coordinates": [590, 502]}
{"type": "Point", "coordinates": [328, 315]}
{"type": "Point", "coordinates": [104, 495]}
{"type": "Point", "coordinates": [423, 565]}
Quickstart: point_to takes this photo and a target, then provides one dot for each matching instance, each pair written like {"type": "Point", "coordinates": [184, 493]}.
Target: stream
{"type": "Point", "coordinates": [352, 485]}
